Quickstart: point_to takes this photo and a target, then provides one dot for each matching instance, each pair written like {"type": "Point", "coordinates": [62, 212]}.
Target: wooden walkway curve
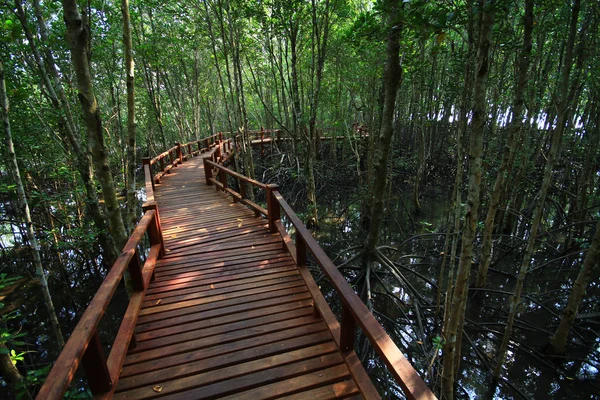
{"type": "Point", "coordinates": [228, 313]}
{"type": "Point", "coordinates": [223, 305]}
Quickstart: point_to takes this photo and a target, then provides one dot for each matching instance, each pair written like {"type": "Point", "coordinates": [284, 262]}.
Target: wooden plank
{"type": "Point", "coordinates": [296, 292]}
{"type": "Point", "coordinates": [191, 345]}
{"type": "Point", "coordinates": [225, 348]}
{"type": "Point", "coordinates": [183, 286]}
{"type": "Point", "coordinates": [232, 387]}
{"type": "Point", "coordinates": [222, 319]}
{"type": "Point", "coordinates": [190, 269]}
{"type": "Point", "coordinates": [231, 286]}
{"type": "Point", "coordinates": [220, 361]}
{"type": "Point", "coordinates": [238, 373]}
{"type": "Point", "coordinates": [238, 305]}
{"type": "Point", "coordinates": [302, 382]}
{"type": "Point", "coordinates": [219, 329]}
{"type": "Point", "coordinates": [329, 392]}
{"type": "Point", "coordinates": [220, 300]}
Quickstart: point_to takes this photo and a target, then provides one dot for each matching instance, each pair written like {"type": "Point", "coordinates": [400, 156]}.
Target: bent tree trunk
{"type": "Point", "coordinates": [459, 296]}
{"type": "Point", "coordinates": [78, 37]}
{"type": "Point", "coordinates": [559, 340]}
{"type": "Point", "coordinates": [24, 205]}
{"type": "Point", "coordinates": [391, 80]}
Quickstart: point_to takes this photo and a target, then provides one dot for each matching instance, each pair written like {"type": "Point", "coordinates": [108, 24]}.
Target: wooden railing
{"type": "Point", "coordinates": [354, 313]}
{"type": "Point", "coordinates": [83, 346]}
{"type": "Point", "coordinates": [165, 161]}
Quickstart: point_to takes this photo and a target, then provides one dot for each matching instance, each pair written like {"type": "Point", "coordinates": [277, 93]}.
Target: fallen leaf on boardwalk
{"type": "Point", "coordinates": [212, 286]}
{"type": "Point", "coordinates": [183, 186]}
{"type": "Point", "coordinates": [158, 301]}
{"type": "Point", "coordinates": [157, 388]}
{"type": "Point", "coordinates": [167, 250]}
{"type": "Point", "coordinates": [418, 341]}
{"type": "Point", "coordinates": [173, 236]}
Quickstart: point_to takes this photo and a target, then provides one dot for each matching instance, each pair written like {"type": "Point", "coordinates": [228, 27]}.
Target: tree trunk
{"type": "Point", "coordinates": [78, 37]}
{"type": "Point", "coordinates": [563, 108]}
{"type": "Point", "coordinates": [131, 145]}
{"type": "Point", "coordinates": [24, 205]}
{"type": "Point", "coordinates": [391, 81]}
{"type": "Point", "coordinates": [459, 297]}
{"type": "Point", "coordinates": [68, 129]}
{"type": "Point", "coordinates": [559, 340]}
{"type": "Point", "coordinates": [509, 148]}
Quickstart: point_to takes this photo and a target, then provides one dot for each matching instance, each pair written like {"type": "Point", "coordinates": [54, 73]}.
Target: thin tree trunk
{"type": "Point", "coordinates": [559, 340]}
{"type": "Point", "coordinates": [459, 297]}
{"type": "Point", "coordinates": [68, 129]}
{"type": "Point", "coordinates": [391, 81]}
{"type": "Point", "coordinates": [78, 37]}
{"type": "Point", "coordinates": [563, 108]}
{"type": "Point", "coordinates": [131, 142]}
{"type": "Point", "coordinates": [510, 146]}
{"type": "Point", "coordinates": [24, 205]}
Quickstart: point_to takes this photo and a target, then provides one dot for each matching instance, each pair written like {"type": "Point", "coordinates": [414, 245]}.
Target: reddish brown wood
{"type": "Point", "coordinates": [401, 369]}
{"type": "Point", "coordinates": [229, 313]}
{"type": "Point", "coordinates": [72, 354]}
{"type": "Point", "coordinates": [300, 250]}
{"type": "Point", "coordinates": [135, 272]}
{"type": "Point", "coordinates": [94, 364]}
{"type": "Point", "coordinates": [179, 153]}
{"type": "Point", "coordinates": [273, 207]}
{"type": "Point", "coordinates": [348, 329]}
{"type": "Point", "coordinates": [207, 171]}
{"type": "Point", "coordinates": [148, 179]}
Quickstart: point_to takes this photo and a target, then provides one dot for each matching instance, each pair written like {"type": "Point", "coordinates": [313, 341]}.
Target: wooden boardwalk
{"type": "Point", "coordinates": [228, 315]}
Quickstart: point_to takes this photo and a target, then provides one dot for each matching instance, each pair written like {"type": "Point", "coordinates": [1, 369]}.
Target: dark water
{"type": "Point", "coordinates": [407, 308]}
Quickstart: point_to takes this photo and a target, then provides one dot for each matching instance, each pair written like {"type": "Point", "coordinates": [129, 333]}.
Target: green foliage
{"type": "Point", "coordinates": [438, 343]}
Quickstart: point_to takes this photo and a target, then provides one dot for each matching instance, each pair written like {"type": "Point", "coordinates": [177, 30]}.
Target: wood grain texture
{"type": "Point", "coordinates": [229, 313]}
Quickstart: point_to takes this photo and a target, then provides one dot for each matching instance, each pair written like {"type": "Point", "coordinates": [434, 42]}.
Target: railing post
{"type": "Point", "coordinates": [162, 165]}
{"type": "Point", "coordinates": [222, 179]}
{"type": "Point", "coordinates": [146, 164]}
{"type": "Point", "coordinates": [94, 365]}
{"type": "Point", "coordinates": [207, 171]}
{"type": "Point", "coordinates": [135, 272]}
{"type": "Point", "coordinates": [189, 147]}
{"type": "Point", "coordinates": [179, 153]}
{"type": "Point", "coordinates": [348, 329]}
{"type": "Point", "coordinates": [262, 140]}
{"type": "Point", "coordinates": [300, 250]}
{"type": "Point", "coordinates": [154, 229]}
{"type": "Point", "coordinates": [273, 207]}
{"type": "Point", "coordinates": [242, 188]}
{"type": "Point", "coordinates": [278, 135]}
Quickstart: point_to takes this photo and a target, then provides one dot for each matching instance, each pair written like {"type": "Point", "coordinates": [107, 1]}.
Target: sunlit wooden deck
{"type": "Point", "coordinates": [229, 315]}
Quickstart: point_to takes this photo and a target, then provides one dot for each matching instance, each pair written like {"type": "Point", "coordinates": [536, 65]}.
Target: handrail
{"type": "Point", "coordinates": [84, 344]}
{"type": "Point", "coordinates": [354, 311]}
